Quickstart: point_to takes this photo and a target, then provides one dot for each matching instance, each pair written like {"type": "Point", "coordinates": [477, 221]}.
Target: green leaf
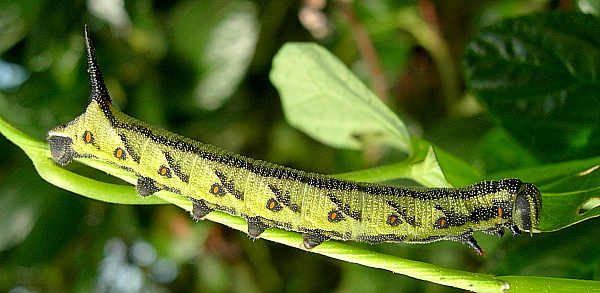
{"type": "Point", "coordinates": [325, 100]}
{"type": "Point", "coordinates": [538, 75]}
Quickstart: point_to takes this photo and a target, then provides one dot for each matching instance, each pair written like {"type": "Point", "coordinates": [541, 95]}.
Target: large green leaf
{"type": "Point", "coordinates": [324, 99]}
{"type": "Point", "coordinates": [539, 75]}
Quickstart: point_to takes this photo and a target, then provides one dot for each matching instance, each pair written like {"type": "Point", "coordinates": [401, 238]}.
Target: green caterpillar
{"type": "Point", "coordinates": [319, 207]}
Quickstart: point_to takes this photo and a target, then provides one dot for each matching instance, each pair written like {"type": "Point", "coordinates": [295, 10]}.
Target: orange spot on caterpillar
{"type": "Point", "coordinates": [500, 212]}
{"type": "Point", "coordinates": [88, 137]}
{"type": "Point", "coordinates": [217, 189]}
{"type": "Point", "coordinates": [164, 171]}
{"type": "Point", "coordinates": [273, 205]}
{"type": "Point", "coordinates": [393, 220]}
{"type": "Point", "coordinates": [441, 223]}
{"type": "Point", "coordinates": [335, 216]}
{"type": "Point", "coordinates": [120, 154]}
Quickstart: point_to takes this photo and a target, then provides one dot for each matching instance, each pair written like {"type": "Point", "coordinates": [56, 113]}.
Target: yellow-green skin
{"type": "Point", "coordinates": [267, 195]}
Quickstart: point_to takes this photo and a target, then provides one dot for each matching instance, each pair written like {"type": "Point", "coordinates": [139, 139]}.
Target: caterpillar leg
{"type": "Point", "coordinates": [471, 242]}
{"type": "Point", "coordinates": [199, 209]}
{"type": "Point", "coordinates": [146, 186]}
{"type": "Point", "coordinates": [311, 239]}
{"type": "Point", "coordinates": [256, 226]}
{"type": "Point", "coordinates": [515, 230]}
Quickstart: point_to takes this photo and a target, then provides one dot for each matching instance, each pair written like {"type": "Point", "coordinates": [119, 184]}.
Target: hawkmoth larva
{"type": "Point", "coordinates": [319, 207]}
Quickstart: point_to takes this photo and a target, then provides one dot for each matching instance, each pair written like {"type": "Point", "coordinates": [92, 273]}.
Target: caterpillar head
{"type": "Point", "coordinates": [526, 207]}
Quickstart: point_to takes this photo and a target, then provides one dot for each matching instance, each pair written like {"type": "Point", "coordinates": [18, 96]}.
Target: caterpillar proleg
{"type": "Point", "coordinates": [320, 207]}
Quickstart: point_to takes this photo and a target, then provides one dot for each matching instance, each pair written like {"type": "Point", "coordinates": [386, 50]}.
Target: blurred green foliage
{"type": "Point", "coordinates": [200, 68]}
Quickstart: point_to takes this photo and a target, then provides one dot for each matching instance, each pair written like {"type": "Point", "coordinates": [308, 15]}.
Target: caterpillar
{"type": "Point", "coordinates": [320, 207]}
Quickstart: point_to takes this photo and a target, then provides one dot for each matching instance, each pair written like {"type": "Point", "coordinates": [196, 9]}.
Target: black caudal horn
{"type": "Point", "coordinates": [99, 92]}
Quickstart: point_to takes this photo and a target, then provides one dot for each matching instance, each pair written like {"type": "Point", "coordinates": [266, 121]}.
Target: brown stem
{"type": "Point", "coordinates": [367, 50]}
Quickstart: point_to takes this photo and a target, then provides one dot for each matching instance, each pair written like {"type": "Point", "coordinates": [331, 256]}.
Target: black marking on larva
{"type": "Point", "coordinates": [381, 238]}
{"type": "Point", "coordinates": [284, 198]}
{"type": "Point", "coordinates": [273, 205]}
{"type": "Point", "coordinates": [222, 208]}
{"type": "Point", "coordinates": [450, 219]}
{"type": "Point", "coordinates": [146, 186]}
{"type": "Point", "coordinates": [199, 208]}
{"type": "Point", "coordinates": [500, 209]}
{"type": "Point", "coordinates": [401, 211]}
{"type": "Point", "coordinates": [394, 220]}
{"type": "Point", "coordinates": [258, 224]}
{"type": "Point", "coordinates": [335, 216]}
{"type": "Point", "coordinates": [176, 168]}
{"type": "Point", "coordinates": [497, 230]}
{"type": "Point", "coordinates": [221, 176]}
{"type": "Point", "coordinates": [479, 213]}
{"type": "Point", "coordinates": [344, 207]}
{"type": "Point", "coordinates": [120, 154]}
{"type": "Point", "coordinates": [510, 185]}
{"type": "Point", "coordinates": [218, 190]}
{"type": "Point", "coordinates": [134, 156]}
{"type": "Point", "coordinates": [428, 239]}
{"type": "Point", "coordinates": [164, 171]}
{"type": "Point", "coordinates": [229, 185]}
{"type": "Point", "coordinates": [310, 240]}
{"type": "Point", "coordinates": [171, 189]}
{"type": "Point", "coordinates": [314, 237]}
{"type": "Point", "coordinates": [515, 230]}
